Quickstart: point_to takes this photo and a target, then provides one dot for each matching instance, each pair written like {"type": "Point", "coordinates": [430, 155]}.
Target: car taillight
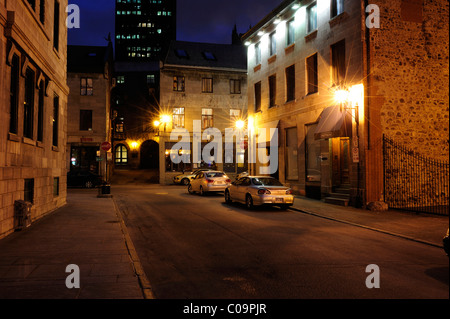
{"type": "Point", "coordinates": [228, 181]}
{"type": "Point", "coordinates": [263, 191]}
{"type": "Point", "coordinates": [209, 181]}
{"type": "Point", "coordinates": [289, 192]}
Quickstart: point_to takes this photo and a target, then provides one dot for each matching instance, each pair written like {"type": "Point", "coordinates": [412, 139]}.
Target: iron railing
{"type": "Point", "coordinates": [414, 182]}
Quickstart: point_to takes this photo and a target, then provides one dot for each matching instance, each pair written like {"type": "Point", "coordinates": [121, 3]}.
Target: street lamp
{"type": "Point", "coordinates": [240, 124]}
{"type": "Point", "coordinates": [164, 119]}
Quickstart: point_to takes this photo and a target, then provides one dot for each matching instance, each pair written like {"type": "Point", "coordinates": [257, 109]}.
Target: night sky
{"type": "Point", "coordinates": [197, 20]}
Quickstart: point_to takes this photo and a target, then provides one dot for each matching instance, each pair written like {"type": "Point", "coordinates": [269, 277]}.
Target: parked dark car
{"type": "Point", "coordinates": [445, 243]}
{"type": "Point", "coordinates": [84, 179]}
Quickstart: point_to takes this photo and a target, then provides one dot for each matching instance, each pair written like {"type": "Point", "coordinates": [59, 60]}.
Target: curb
{"type": "Point", "coordinates": [147, 291]}
{"type": "Point", "coordinates": [366, 227]}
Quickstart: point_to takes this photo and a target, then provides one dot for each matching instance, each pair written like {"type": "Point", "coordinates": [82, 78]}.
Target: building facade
{"type": "Point", "coordinates": [90, 79]}
{"type": "Point", "coordinates": [33, 108]}
{"type": "Point", "coordinates": [135, 103]}
{"type": "Point", "coordinates": [144, 29]}
{"type": "Point", "coordinates": [334, 77]}
{"type": "Point", "coordinates": [206, 83]}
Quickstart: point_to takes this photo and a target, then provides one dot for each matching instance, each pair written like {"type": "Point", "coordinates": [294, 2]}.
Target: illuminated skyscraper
{"type": "Point", "coordinates": [144, 29]}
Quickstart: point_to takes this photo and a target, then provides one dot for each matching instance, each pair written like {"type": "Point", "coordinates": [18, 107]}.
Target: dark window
{"type": "Point", "coordinates": [14, 98]}
{"type": "Point", "coordinates": [272, 44]}
{"type": "Point", "coordinates": [28, 106]}
{"type": "Point", "coordinates": [312, 17]}
{"type": "Point", "coordinates": [32, 3]}
{"type": "Point", "coordinates": [55, 119]}
{"type": "Point", "coordinates": [272, 90]}
{"type": "Point", "coordinates": [290, 83]}
{"type": "Point", "coordinates": [28, 193]}
{"type": "Point", "coordinates": [40, 123]}
{"type": "Point", "coordinates": [290, 38]}
{"type": "Point", "coordinates": [291, 154]}
{"type": "Point", "coordinates": [42, 11]}
{"type": "Point", "coordinates": [56, 186]}
{"type": "Point", "coordinates": [56, 25]}
{"type": "Point", "coordinates": [257, 53]}
{"type": "Point", "coordinates": [85, 120]}
{"type": "Point", "coordinates": [337, 7]}
{"type": "Point", "coordinates": [257, 96]}
{"type": "Point", "coordinates": [209, 56]}
{"type": "Point", "coordinates": [87, 86]}
{"type": "Point", "coordinates": [311, 71]}
{"type": "Point", "coordinates": [338, 62]}
{"type": "Point", "coordinates": [235, 86]}
{"type": "Point", "coordinates": [181, 53]}
{"type": "Point", "coordinates": [207, 85]}
{"type": "Point", "coordinates": [151, 79]}
{"type": "Point", "coordinates": [178, 83]}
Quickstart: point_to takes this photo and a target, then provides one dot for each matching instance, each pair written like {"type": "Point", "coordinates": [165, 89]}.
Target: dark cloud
{"type": "Point", "coordinates": [197, 20]}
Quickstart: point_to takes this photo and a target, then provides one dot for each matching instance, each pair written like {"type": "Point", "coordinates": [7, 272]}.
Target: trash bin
{"type": "Point", "coordinates": [22, 214]}
{"type": "Point", "coordinates": [105, 189]}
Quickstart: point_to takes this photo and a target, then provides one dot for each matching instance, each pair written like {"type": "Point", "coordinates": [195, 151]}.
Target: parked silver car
{"type": "Point", "coordinates": [259, 190]}
{"type": "Point", "coordinates": [209, 181]}
{"type": "Point", "coordinates": [186, 177]}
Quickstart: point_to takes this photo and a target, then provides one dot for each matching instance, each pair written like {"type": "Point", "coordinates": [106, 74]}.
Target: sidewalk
{"type": "Point", "coordinates": [86, 232]}
{"type": "Point", "coordinates": [426, 228]}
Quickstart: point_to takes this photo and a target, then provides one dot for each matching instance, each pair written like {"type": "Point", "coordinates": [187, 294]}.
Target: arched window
{"type": "Point", "coordinates": [121, 155]}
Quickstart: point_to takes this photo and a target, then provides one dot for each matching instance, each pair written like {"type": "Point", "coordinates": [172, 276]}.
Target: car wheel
{"type": "Point", "coordinates": [284, 207]}
{"type": "Point", "coordinates": [228, 197]}
{"type": "Point", "coordinates": [249, 201]}
{"type": "Point", "coordinates": [202, 193]}
{"type": "Point", "coordinates": [185, 181]}
{"type": "Point", "coordinates": [190, 189]}
{"type": "Point", "coordinates": [89, 184]}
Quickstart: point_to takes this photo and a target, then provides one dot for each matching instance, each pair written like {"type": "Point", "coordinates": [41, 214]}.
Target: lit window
{"type": "Point", "coordinates": [178, 83]}
{"type": "Point", "coordinates": [207, 118]}
{"type": "Point", "coordinates": [178, 117]}
{"type": "Point", "coordinates": [207, 85]}
{"type": "Point", "coordinates": [121, 155]}
{"type": "Point", "coordinates": [87, 86]}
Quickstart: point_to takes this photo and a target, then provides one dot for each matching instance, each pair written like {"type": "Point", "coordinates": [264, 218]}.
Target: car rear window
{"type": "Point", "coordinates": [266, 181]}
{"type": "Point", "coordinates": [215, 174]}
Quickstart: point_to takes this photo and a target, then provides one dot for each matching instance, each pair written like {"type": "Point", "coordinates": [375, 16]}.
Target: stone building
{"type": "Point", "coordinates": [90, 79]}
{"type": "Point", "coordinates": [135, 103]}
{"type": "Point", "coordinates": [335, 77]}
{"type": "Point", "coordinates": [206, 83]}
{"type": "Point", "coordinates": [33, 108]}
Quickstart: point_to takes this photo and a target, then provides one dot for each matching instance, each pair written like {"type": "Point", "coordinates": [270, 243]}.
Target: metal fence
{"type": "Point", "coordinates": [414, 182]}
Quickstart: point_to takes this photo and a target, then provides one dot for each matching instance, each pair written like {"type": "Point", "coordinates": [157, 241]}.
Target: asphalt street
{"type": "Point", "coordinates": [199, 247]}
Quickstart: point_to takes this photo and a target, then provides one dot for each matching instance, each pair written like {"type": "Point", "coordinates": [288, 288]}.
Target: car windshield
{"type": "Point", "coordinates": [266, 181]}
{"type": "Point", "coordinates": [215, 174]}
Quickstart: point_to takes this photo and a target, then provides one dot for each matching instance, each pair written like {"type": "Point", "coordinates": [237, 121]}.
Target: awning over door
{"type": "Point", "coordinates": [334, 123]}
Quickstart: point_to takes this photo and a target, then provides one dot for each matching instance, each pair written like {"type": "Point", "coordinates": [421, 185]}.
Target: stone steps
{"type": "Point", "coordinates": [340, 196]}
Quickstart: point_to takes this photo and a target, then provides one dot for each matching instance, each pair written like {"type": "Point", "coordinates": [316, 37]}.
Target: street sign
{"type": "Point", "coordinates": [106, 146]}
{"type": "Point", "coordinates": [244, 145]}
{"type": "Point", "coordinates": [355, 155]}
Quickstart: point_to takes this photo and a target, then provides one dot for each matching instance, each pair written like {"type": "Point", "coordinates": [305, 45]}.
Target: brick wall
{"type": "Point", "coordinates": [410, 65]}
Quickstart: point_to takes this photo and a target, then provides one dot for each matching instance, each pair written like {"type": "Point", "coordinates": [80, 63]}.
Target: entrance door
{"type": "Point", "coordinates": [345, 160]}
{"type": "Point", "coordinates": [149, 155]}
{"type": "Point", "coordinates": [341, 161]}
